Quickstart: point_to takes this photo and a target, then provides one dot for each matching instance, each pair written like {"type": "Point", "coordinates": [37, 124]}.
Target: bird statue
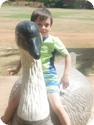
{"type": "Point", "coordinates": [33, 108]}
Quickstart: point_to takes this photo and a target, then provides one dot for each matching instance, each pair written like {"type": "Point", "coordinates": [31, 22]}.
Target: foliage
{"type": "Point", "coordinates": [62, 3]}
{"type": "Point", "coordinates": [50, 3]}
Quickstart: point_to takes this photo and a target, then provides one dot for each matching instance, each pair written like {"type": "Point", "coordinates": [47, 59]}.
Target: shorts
{"type": "Point", "coordinates": [52, 83]}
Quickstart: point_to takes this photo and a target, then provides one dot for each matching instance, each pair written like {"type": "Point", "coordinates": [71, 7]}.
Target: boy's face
{"type": "Point", "coordinates": [44, 26]}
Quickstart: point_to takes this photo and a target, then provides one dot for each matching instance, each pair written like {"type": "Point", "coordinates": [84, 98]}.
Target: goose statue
{"type": "Point", "coordinates": [33, 108]}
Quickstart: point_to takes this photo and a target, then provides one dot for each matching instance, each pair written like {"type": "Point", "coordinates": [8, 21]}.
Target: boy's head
{"type": "Point", "coordinates": [43, 17]}
{"type": "Point", "coordinates": [43, 14]}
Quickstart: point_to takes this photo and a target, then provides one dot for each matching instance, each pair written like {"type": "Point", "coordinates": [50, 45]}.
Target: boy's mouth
{"type": "Point", "coordinates": [44, 33]}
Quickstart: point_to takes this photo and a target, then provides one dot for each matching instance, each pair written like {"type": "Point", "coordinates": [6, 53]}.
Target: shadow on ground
{"type": "Point", "coordinates": [84, 59]}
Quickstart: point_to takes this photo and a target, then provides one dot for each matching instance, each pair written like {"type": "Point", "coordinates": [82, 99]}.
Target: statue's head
{"type": "Point", "coordinates": [28, 38]}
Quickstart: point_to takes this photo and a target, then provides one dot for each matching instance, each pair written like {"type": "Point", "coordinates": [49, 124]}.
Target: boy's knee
{"type": "Point", "coordinates": [55, 103]}
{"type": "Point", "coordinates": [57, 107]}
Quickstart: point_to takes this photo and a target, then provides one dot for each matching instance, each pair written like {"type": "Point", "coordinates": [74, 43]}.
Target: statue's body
{"type": "Point", "coordinates": [33, 107]}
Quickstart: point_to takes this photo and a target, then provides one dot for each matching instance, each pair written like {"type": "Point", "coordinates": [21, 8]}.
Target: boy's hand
{"type": "Point", "coordinates": [65, 81]}
{"type": "Point", "coordinates": [15, 70]}
{"type": "Point", "coordinates": [12, 71]}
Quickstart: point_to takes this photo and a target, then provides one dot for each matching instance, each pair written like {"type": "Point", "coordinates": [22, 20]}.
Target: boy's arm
{"type": "Point", "coordinates": [67, 68]}
{"type": "Point", "coordinates": [15, 70]}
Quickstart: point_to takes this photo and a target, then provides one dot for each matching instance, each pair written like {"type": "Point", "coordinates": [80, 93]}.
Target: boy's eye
{"type": "Point", "coordinates": [46, 25]}
{"type": "Point", "coordinates": [39, 24]}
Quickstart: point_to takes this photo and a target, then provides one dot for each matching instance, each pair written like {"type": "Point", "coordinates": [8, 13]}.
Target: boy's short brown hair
{"type": "Point", "coordinates": [42, 13]}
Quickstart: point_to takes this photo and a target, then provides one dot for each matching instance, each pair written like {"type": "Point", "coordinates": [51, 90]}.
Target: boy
{"type": "Point", "coordinates": [49, 47]}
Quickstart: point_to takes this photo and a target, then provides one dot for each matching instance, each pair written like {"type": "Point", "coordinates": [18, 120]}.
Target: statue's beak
{"type": "Point", "coordinates": [34, 47]}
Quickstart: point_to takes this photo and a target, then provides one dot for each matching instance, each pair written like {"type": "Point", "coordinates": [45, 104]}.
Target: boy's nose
{"type": "Point", "coordinates": [43, 27]}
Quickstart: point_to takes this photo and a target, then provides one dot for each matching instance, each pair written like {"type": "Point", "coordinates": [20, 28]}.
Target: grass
{"type": "Point", "coordinates": [25, 12]}
{"type": "Point", "coordinates": [64, 19]}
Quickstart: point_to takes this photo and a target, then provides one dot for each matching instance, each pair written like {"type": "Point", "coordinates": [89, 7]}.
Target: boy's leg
{"type": "Point", "coordinates": [58, 108]}
{"type": "Point", "coordinates": [13, 102]}
{"type": "Point", "coordinates": [11, 108]}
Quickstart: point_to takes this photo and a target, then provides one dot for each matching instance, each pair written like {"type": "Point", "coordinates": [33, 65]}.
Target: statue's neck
{"type": "Point", "coordinates": [33, 103]}
{"type": "Point", "coordinates": [32, 70]}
